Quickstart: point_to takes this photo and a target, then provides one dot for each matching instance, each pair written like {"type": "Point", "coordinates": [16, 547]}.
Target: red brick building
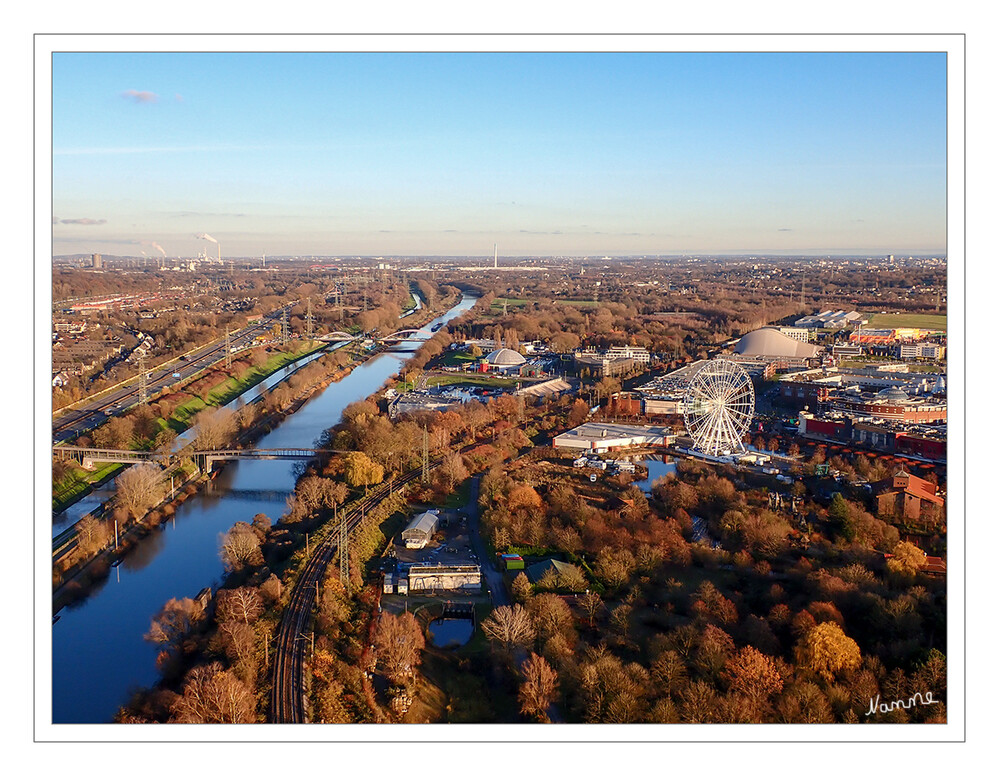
{"type": "Point", "coordinates": [905, 495]}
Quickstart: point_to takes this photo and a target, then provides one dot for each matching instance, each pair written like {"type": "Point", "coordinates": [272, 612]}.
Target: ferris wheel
{"type": "Point", "coordinates": [718, 407]}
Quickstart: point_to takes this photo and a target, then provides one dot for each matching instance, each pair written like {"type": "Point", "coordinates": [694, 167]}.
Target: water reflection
{"type": "Point", "coordinates": [658, 466]}
{"type": "Point", "coordinates": [446, 633]}
{"type": "Point", "coordinates": [98, 651]}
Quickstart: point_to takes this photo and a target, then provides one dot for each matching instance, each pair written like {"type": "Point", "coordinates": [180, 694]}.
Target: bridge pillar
{"type": "Point", "coordinates": [87, 463]}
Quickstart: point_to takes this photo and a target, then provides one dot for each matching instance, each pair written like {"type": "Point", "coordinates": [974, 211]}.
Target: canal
{"type": "Point", "coordinates": [99, 655]}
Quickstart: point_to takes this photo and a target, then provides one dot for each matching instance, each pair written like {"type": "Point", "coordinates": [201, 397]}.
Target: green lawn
{"type": "Point", "coordinates": [471, 380]}
{"type": "Point", "coordinates": [497, 303]}
{"type": "Point", "coordinates": [908, 320]}
{"type": "Point", "coordinates": [578, 302]}
{"type": "Point", "coordinates": [76, 482]}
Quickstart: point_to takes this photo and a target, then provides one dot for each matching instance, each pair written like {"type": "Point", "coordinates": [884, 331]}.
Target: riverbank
{"type": "Point", "coordinates": [79, 483]}
{"type": "Point", "coordinates": [77, 580]}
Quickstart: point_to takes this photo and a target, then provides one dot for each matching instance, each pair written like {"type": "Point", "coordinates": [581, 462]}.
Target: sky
{"type": "Point", "coordinates": [541, 154]}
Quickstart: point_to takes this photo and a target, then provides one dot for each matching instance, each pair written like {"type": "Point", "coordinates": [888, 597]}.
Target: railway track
{"type": "Point", "coordinates": [287, 692]}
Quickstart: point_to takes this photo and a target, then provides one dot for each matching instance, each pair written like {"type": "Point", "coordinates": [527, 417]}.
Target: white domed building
{"type": "Point", "coordinates": [503, 360]}
{"type": "Point", "coordinates": [770, 343]}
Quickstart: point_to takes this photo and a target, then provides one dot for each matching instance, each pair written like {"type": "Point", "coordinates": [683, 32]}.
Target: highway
{"type": "Point", "coordinates": [86, 418]}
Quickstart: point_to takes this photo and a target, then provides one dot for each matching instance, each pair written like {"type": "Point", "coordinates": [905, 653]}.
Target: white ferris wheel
{"type": "Point", "coordinates": [718, 407]}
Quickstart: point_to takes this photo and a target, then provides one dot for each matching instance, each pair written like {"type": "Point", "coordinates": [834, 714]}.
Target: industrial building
{"type": "Point", "coordinates": [831, 320]}
{"type": "Point", "coordinates": [439, 578]}
{"type": "Point", "coordinates": [420, 530]}
{"type": "Point", "coordinates": [603, 365]}
{"type": "Point", "coordinates": [602, 437]}
{"type": "Point", "coordinates": [816, 387]}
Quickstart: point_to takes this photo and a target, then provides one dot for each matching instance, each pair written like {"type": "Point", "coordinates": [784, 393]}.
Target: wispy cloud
{"type": "Point", "coordinates": [83, 221]}
{"type": "Point", "coordinates": [199, 214]}
{"type": "Point", "coordinates": [785, 229]}
{"type": "Point", "coordinates": [155, 150]}
{"type": "Point", "coordinates": [136, 96]}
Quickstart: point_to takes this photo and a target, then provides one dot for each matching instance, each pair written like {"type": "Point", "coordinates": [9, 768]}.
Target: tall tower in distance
{"type": "Point", "coordinates": [96, 261]}
{"type": "Point", "coordinates": [495, 257]}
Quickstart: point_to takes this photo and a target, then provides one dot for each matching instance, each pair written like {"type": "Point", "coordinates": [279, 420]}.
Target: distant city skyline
{"type": "Point", "coordinates": [543, 154]}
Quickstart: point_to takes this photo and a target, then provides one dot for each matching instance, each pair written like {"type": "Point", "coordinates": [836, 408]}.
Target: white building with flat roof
{"type": "Point", "coordinates": [602, 437]}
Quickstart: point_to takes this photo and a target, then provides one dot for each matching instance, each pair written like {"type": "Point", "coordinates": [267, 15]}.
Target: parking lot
{"type": "Point", "coordinates": [449, 546]}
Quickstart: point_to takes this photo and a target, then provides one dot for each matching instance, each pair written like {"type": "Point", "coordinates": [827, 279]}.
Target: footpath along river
{"type": "Point", "coordinates": [99, 656]}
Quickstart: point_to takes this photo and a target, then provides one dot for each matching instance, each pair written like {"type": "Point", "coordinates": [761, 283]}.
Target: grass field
{"type": "Point", "coordinates": [908, 320]}
{"type": "Point", "coordinates": [497, 304]}
{"type": "Point", "coordinates": [78, 480]}
{"type": "Point", "coordinates": [471, 380]}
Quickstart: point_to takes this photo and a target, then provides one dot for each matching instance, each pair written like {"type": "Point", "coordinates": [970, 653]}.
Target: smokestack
{"type": "Point", "coordinates": [495, 257]}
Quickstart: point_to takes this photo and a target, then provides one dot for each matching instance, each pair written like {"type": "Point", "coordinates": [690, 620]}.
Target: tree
{"type": "Point", "coordinates": [906, 559]}
{"type": "Point", "coordinates": [452, 470]}
{"type": "Point", "coordinates": [753, 674]}
{"type": "Point", "coordinates": [573, 579]}
{"type": "Point", "coordinates": [241, 603]}
{"type": "Point", "coordinates": [509, 627]}
{"type": "Point", "coordinates": [827, 650]}
{"type": "Point", "coordinates": [537, 691]}
{"type": "Point", "coordinates": [550, 615]}
{"type": "Point", "coordinates": [174, 621]}
{"type": "Point", "coordinates": [579, 413]}
{"type": "Point", "coordinates": [361, 470]}
{"type": "Point", "coordinates": [139, 488]}
{"type": "Point", "coordinates": [398, 640]}
{"type": "Point", "coordinates": [521, 588]}
{"type": "Point", "coordinates": [116, 434]}
{"type": "Point", "coordinates": [91, 534]}
{"type": "Point", "coordinates": [214, 428]}
{"type": "Point", "coordinates": [592, 605]}
{"type": "Point", "coordinates": [212, 695]}
{"type": "Point", "coordinates": [241, 547]}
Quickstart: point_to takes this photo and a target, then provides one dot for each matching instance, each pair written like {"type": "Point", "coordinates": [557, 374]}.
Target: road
{"type": "Point", "coordinates": [86, 418]}
{"type": "Point", "coordinates": [494, 578]}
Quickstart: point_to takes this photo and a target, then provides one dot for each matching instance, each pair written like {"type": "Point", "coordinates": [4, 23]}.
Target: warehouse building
{"type": "Point", "coordinates": [602, 437]}
{"type": "Point", "coordinates": [438, 578]}
{"type": "Point", "coordinates": [420, 530]}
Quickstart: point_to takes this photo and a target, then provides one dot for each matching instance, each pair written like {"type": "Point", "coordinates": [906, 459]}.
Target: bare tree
{"type": "Point", "coordinates": [214, 428]}
{"type": "Point", "coordinates": [91, 534]}
{"type": "Point", "coordinates": [397, 641]}
{"type": "Point", "coordinates": [241, 547]}
{"type": "Point", "coordinates": [239, 640]}
{"type": "Point", "coordinates": [212, 695]}
{"type": "Point", "coordinates": [509, 627]}
{"type": "Point", "coordinates": [139, 488]}
{"type": "Point", "coordinates": [241, 603]}
{"type": "Point", "coordinates": [537, 691]}
{"type": "Point", "coordinates": [592, 605]}
{"type": "Point", "coordinates": [452, 470]}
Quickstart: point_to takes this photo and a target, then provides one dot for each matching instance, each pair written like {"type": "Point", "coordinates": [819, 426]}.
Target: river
{"type": "Point", "coordinates": [99, 656]}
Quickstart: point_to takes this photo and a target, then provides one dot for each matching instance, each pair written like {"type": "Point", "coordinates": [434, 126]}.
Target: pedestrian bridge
{"type": "Point", "coordinates": [89, 456]}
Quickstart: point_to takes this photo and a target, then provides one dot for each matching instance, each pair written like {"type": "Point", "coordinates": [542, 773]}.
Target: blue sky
{"type": "Point", "coordinates": [578, 154]}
